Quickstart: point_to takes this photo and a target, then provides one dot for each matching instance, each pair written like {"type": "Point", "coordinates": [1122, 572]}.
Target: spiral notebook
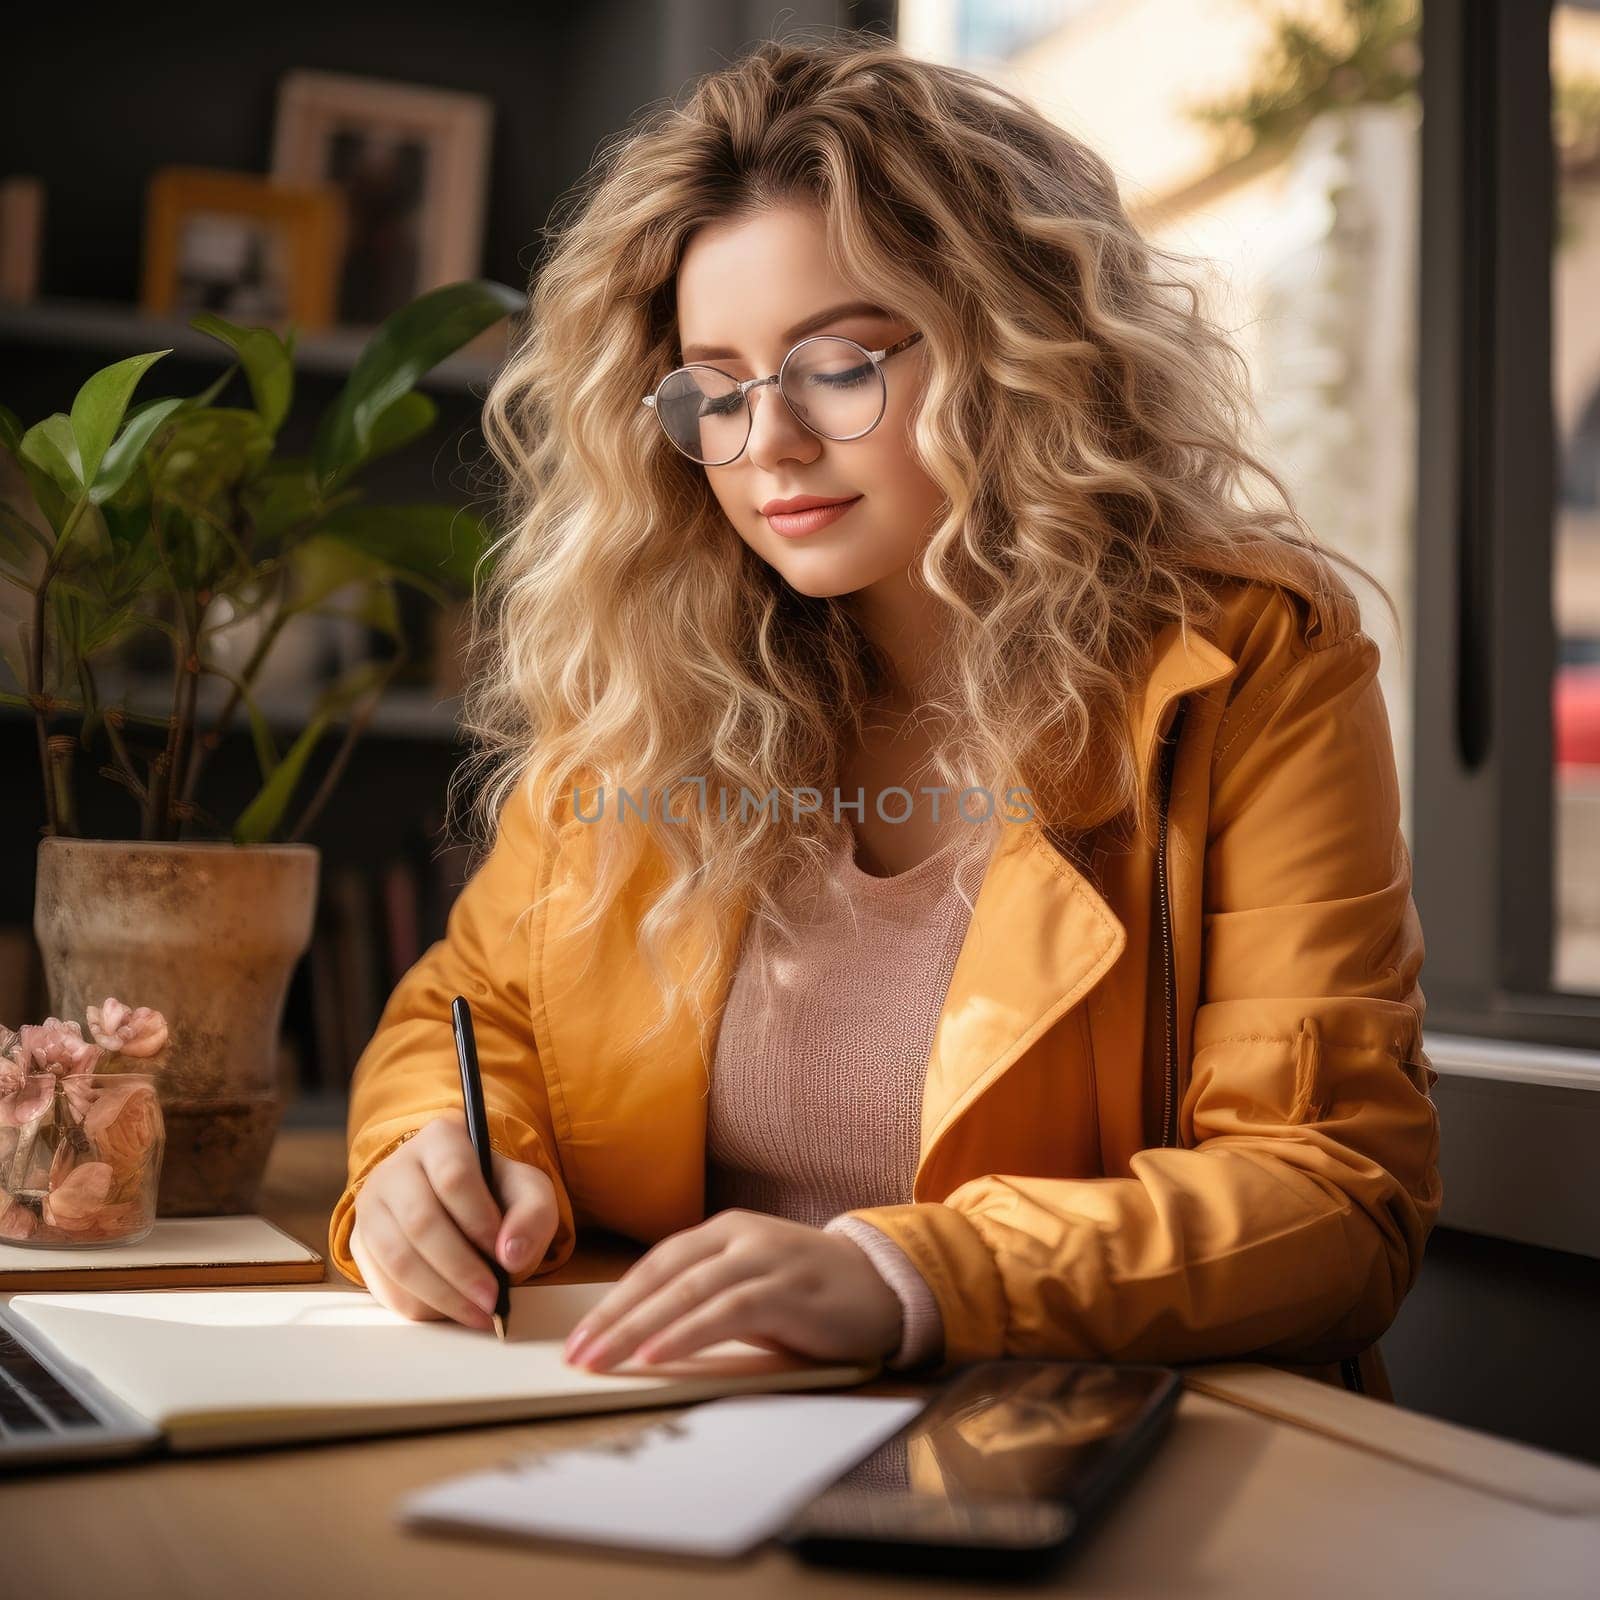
{"type": "Point", "coordinates": [214, 1369]}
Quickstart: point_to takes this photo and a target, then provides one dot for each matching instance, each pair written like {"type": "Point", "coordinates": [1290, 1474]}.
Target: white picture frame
{"type": "Point", "coordinates": [413, 163]}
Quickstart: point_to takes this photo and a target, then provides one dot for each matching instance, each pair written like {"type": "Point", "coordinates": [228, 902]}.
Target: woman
{"type": "Point", "coordinates": [1118, 1057]}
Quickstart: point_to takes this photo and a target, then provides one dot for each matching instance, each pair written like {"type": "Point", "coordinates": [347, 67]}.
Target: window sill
{"type": "Point", "coordinates": [1519, 1128]}
{"type": "Point", "coordinates": [1459, 1055]}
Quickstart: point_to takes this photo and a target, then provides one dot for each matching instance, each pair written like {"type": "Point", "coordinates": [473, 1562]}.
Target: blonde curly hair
{"type": "Point", "coordinates": [1081, 416]}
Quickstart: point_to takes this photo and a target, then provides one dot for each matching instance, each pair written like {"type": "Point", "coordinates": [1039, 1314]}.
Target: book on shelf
{"type": "Point", "coordinates": [371, 928]}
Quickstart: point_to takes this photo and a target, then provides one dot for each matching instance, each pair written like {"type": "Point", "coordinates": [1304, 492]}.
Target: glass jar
{"type": "Point", "coordinates": [80, 1159]}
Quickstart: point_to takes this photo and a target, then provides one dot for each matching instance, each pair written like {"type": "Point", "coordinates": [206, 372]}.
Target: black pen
{"type": "Point", "coordinates": [478, 1129]}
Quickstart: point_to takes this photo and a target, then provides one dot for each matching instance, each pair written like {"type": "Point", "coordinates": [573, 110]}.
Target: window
{"type": "Point", "coordinates": [1575, 568]}
{"type": "Point", "coordinates": [1507, 770]}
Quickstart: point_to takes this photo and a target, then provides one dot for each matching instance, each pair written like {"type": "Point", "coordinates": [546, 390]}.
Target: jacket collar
{"type": "Point", "coordinates": [1041, 935]}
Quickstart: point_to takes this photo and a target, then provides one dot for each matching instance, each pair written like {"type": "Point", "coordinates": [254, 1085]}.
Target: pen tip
{"type": "Point", "coordinates": [499, 1327]}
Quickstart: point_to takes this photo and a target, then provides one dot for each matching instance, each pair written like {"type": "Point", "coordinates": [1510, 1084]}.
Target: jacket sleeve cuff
{"type": "Point", "coordinates": [922, 1336]}
{"type": "Point", "coordinates": [959, 1270]}
{"type": "Point", "coordinates": [508, 1136]}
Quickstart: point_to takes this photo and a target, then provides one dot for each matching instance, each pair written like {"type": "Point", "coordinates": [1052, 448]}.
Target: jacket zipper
{"type": "Point", "coordinates": [1168, 973]}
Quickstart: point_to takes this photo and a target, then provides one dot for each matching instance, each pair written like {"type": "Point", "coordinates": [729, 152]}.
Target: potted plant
{"type": "Point", "coordinates": [179, 519]}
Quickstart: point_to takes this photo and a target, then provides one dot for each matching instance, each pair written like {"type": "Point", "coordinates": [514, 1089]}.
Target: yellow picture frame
{"type": "Point", "coordinates": [306, 223]}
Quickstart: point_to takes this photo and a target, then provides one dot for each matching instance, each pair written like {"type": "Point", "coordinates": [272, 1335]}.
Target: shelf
{"type": "Point", "coordinates": [125, 330]}
{"type": "Point", "coordinates": [402, 713]}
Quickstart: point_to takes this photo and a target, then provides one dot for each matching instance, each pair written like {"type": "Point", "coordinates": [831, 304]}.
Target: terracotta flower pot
{"type": "Point", "coordinates": [207, 934]}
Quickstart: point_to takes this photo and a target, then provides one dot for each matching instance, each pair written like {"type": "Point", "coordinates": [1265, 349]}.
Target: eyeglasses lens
{"type": "Point", "coordinates": [830, 384]}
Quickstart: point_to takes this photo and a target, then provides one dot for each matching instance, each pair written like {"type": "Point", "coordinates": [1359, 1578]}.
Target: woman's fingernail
{"type": "Point", "coordinates": [486, 1294]}
{"type": "Point", "coordinates": [516, 1249]}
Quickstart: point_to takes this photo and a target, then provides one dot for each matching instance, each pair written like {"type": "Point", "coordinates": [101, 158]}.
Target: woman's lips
{"type": "Point", "coordinates": [795, 524]}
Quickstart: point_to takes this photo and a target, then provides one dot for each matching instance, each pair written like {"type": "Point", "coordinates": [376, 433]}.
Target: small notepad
{"type": "Point", "coordinates": [177, 1253]}
{"type": "Point", "coordinates": [715, 1481]}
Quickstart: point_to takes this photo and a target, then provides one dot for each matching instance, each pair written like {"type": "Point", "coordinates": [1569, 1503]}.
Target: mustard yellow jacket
{"type": "Point", "coordinates": [1177, 1106]}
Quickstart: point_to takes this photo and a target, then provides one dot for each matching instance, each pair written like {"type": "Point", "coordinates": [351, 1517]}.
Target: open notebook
{"type": "Point", "coordinates": [219, 1368]}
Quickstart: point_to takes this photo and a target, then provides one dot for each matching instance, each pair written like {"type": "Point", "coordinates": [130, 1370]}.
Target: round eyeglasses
{"type": "Point", "coordinates": [833, 385]}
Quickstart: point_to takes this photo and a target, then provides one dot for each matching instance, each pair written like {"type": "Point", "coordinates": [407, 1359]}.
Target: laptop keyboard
{"type": "Point", "coordinates": [34, 1403]}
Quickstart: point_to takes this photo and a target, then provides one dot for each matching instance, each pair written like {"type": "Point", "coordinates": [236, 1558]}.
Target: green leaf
{"type": "Point", "coordinates": [64, 602]}
{"type": "Point", "coordinates": [92, 718]}
{"type": "Point", "coordinates": [55, 506]}
{"type": "Point", "coordinates": [123, 456]}
{"type": "Point", "coordinates": [266, 747]}
{"type": "Point", "coordinates": [127, 521]}
{"type": "Point", "coordinates": [266, 361]}
{"type": "Point", "coordinates": [283, 500]}
{"type": "Point", "coordinates": [264, 815]}
{"type": "Point", "coordinates": [408, 418]}
{"type": "Point", "coordinates": [100, 406]}
{"type": "Point", "coordinates": [322, 567]}
{"type": "Point", "coordinates": [18, 531]}
{"type": "Point", "coordinates": [10, 430]}
{"type": "Point", "coordinates": [439, 545]}
{"type": "Point", "coordinates": [413, 341]}
{"type": "Point", "coordinates": [52, 447]}
{"type": "Point", "coordinates": [204, 457]}
{"type": "Point", "coordinates": [98, 620]}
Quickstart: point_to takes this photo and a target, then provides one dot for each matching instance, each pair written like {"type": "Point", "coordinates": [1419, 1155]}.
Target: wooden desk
{"type": "Point", "coordinates": [1270, 1484]}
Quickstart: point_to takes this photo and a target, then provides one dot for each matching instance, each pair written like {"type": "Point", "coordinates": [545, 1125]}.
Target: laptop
{"type": "Point", "coordinates": [52, 1410]}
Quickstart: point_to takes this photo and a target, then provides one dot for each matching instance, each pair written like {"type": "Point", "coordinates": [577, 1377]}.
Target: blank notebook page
{"type": "Point", "coordinates": [217, 1367]}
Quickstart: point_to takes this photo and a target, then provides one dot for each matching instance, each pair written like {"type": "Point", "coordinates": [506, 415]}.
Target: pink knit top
{"type": "Point", "coordinates": [816, 1096]}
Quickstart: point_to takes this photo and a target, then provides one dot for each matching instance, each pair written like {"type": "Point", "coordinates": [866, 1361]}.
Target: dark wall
{"type": "Point", "coordinates": [202, 92]}
{"type": "Point", "coordinates": [1501, 1336]}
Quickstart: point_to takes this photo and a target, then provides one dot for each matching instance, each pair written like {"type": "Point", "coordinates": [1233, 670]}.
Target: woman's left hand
{"type": "Point", "coordinates": [743, 1275]}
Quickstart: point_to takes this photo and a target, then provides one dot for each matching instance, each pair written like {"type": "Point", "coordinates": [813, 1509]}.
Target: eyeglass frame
{"type": "Point", "coordinates": [745, 386]}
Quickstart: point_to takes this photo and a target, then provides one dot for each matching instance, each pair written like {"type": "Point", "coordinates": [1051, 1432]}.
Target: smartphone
{"type": "Point", "coordinates": [1003, 1471]}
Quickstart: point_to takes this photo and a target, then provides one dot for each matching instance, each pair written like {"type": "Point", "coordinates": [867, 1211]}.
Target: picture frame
{"type": "Point", "coordinates": [242, 245]}
{"type": "Point", "coordinates": [412, 163]}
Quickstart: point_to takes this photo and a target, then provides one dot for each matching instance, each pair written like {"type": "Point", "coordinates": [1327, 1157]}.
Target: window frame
{"type": "Point", "coordinates": [1484, 628]}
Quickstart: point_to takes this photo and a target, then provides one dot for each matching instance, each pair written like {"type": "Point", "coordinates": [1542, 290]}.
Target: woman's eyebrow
{"type": "Point", "coordinates": [821, 319]}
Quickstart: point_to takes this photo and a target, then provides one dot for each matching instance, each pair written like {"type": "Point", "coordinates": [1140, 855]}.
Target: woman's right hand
{"type": "Point", "coordinates": [425, 1221]}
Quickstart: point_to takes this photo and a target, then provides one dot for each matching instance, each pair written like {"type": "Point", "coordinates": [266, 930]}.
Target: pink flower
{"type": "Point", "coordinates": [113, 1221]}
{"type": "Point", "coordinates": [12, 1074]}
{"type": "Point", "coordinates": [58, 1047]}
{"type": "Point", "coordinates": [16, 1220]}
{"type": "Point", "coordinates": [77, 1204]}
{"type": "Point", "coordinates": [135, 1032]}
{"type": "Point", "coordinates": [33, 1093]}
{"type": "Point", "coordinates": [124, 1122]}
{"type": "Point", "coordinates": [80, 1092]}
